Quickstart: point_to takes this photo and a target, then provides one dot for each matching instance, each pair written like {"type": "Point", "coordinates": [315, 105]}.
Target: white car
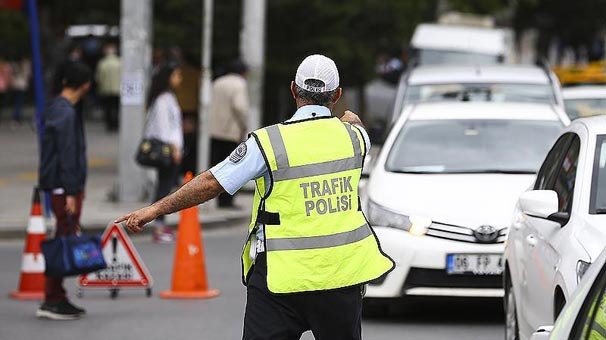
{"type": "Point", "coordinates": [478, 83]}
{"type": "Point", "coordinates": [585, 101]}
{"type": "Point", "coordinates": [557, 228]}
{"type": "Point", "coordinates": [442, 189]}
{"type": "Point", "coordinates": [579, 320]}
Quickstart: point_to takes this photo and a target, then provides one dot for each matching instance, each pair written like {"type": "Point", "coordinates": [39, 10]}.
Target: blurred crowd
{"type": "Point", "coordinates": [171, 107]}
{"type": "Point", "coordinates": [15, 76]}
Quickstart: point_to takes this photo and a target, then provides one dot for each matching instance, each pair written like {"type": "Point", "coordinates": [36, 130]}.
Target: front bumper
{"type": "Point", "coordinates": [421, 267]}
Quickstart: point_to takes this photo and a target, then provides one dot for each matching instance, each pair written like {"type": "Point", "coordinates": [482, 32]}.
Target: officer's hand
{"type": "Point", "coordinates": [351, 118]}
{"type": "Point", "coordinates": [135, 221]}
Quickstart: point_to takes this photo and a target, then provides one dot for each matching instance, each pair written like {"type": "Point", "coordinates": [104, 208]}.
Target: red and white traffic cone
{"type": "Point", "coordinates": [31, 283]}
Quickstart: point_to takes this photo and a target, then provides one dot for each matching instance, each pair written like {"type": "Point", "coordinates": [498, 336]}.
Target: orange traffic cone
{"type": "Point", "coordinates": [31, 283]}
{"type": "Point", "coordinates": [189, 269]}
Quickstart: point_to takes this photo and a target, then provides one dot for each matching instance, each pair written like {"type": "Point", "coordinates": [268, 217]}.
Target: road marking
{"type": "Point", "coordinates": [99, 162]}
{"type": "Point", "coordinates": [27, 176]}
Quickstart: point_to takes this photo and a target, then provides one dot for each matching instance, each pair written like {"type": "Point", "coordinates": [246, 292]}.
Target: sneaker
{"type": "Point", "coordinates": [157, 233]}
{"type": "Point", "coordinates": [167, 236]}
{"type": "Point", "coordinates": [164, 235]}
{"type": "Point", "coordinates": [58, 311]}
{"type": "Point", "coordinates": [75, 308]}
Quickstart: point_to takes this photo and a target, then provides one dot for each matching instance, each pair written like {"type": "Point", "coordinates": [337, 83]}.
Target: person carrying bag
{"type": "Point", "coordinates": [162, 144]}
{"type": "Point", "coordinates": [63, 171]}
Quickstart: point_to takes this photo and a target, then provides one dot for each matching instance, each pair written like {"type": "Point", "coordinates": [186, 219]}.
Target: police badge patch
{"type": "Point", "coordinates": [238, 153]}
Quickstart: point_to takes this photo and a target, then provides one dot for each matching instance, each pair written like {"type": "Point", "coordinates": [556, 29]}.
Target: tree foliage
{"type": "Point", "coordinates": [575, 23]}
{"type": "Point", "coordinates": [485, 7]}
{"type": "Point", "coordinates": [352, 32]}
{"type": "Point", "coordinates": [14, 34]}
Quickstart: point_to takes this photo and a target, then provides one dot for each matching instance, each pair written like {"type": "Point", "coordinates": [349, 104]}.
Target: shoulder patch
{"type": "Point", "coordinates": [238, 153]}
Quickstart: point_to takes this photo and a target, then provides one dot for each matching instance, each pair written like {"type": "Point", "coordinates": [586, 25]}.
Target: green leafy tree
{"type": "Point", "coordinates": [14, 34]}
{"type": "Point", "coordinates": [350, 32]}
{"type": "Point", "coordinates": [575, 23]}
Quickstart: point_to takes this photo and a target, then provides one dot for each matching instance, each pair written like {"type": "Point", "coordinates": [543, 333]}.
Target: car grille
{"type": "Point", "coordinates": [463, 234]}
{"type": "Point", "coordinates": [438, 278]}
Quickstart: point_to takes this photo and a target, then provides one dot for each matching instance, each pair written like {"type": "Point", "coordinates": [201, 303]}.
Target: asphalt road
{"type": "Point", "coordinates": [133, 316]}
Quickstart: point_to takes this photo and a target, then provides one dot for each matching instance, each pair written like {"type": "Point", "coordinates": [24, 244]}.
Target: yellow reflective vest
{"type": "Point", "coordinates": [316, 236]}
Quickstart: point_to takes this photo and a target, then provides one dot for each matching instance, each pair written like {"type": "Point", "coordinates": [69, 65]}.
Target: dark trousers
{"type": "Point", "coordinates": [66, 225]}
{"type": "Point", "coordinates": [19, 97]}
{"type": "Point", "coordinates": [330, 315]}
{"type": "Point", "coordinates": [167, 179]}
{"type": "Point", "coordinates": [220, 149]}
{"type": "Point", "coordinates": [111, 107]}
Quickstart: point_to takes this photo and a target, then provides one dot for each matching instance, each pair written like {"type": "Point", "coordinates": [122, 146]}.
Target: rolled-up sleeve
{"type": "Point", "coordinates": [240, 167]}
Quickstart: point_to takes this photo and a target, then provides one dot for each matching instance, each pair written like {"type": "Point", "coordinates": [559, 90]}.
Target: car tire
{"type": "Point", "coordinates": [559, 301]}
{"type": "Point", "coordinates": [512, 330]}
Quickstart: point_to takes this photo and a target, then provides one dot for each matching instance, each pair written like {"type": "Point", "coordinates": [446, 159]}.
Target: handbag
{"type": "Point", "coordinates": [154, 153]}
{"type": "Point", "coordinates": [72, 255]}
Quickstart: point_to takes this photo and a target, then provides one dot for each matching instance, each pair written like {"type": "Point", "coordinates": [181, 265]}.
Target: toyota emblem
{"type": "Point", "coordinates": [486, 234]}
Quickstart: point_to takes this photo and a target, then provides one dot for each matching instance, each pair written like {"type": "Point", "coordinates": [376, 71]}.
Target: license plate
{"type": "Point", "coordinates": [476, 264]}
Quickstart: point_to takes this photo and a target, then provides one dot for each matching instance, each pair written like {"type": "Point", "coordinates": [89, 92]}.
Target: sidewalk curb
{"type": "Point", "coordinates": [211, 224]}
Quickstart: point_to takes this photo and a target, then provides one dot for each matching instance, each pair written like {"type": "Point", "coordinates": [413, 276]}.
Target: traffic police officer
{"type": "Point", "coordinates": [310, 249]}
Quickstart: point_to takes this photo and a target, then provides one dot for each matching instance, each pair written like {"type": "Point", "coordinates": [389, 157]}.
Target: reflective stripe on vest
{"type": "Point", "coordinates": [318, 168]}
{"type": "Point", "coordinates": [315, 242]}
{"type": "Point", "coordinates": [277, 143]}
{"type": "Point", "coordinates": [285, 172]}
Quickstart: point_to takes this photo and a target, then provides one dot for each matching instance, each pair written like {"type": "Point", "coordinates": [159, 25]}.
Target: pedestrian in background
{"type": "Point", "coordinates": [63, 170]}
{"type": "Point", "coordinates": [187, 95]}
{"type": "Point", "coordinates": [22, 72]}
{"type": "Point", "coordinates": [108, 86]}
{"type": "Point", "coordinates": [309, 250]}
{"type": "Point", "coordinates": [74, 55]}
{"type": "Point", "coordinates": [228, 117]}
{"type": "Point", "coordinates": [5, 82]}
{"type": "Point", "coordinates": [164, 123]}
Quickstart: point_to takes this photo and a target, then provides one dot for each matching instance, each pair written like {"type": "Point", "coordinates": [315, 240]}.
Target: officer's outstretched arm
{"type": "Point", "coordinates": [202, 188]}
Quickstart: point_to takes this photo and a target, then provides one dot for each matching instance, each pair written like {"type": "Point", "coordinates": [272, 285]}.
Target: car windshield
{"type": "Point", "coordinates": [472, 146]}
{"type": "Point", "coordinates": [586, 107]}
{"type": "Point", "coordinates": [531, 93]}
{"type": "Point", "coordinates": [599, 178]}
{"type": "Point", "coordinates": [434, 57]}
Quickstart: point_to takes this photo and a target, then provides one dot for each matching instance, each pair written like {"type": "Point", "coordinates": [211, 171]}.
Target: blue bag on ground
{"type": "Point", "coordinates": [73, 255]}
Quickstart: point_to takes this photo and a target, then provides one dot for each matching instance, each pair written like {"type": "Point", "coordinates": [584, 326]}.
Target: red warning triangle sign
{"type": "Point", "coordinates": [124, 265]}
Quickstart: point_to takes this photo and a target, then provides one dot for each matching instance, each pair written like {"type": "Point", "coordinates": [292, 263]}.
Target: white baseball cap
{"type": "Point", "coordinates": [318, 67]}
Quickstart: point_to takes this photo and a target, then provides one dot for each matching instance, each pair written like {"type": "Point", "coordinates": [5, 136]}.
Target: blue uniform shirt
{"type": "Point", "coordinates": [247, 163]}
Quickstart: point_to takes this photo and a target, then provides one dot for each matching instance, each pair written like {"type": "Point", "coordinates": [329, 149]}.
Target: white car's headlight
{"type": "Point", "coordinates": [380, 216]}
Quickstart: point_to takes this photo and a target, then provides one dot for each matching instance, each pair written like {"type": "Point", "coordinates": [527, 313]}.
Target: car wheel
{"type": "Point", "coordinates": [512, 331]}
{"type": "Point", "coordinates": [558, 303]}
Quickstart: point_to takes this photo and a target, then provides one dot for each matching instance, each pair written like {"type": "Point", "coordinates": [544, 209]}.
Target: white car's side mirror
{"type": "Point", "coordinates": [539, 203]}
{"type": "Point", "coordinates": [543, 204]}
{"type": "Point", "coordinates": [542, 333]}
